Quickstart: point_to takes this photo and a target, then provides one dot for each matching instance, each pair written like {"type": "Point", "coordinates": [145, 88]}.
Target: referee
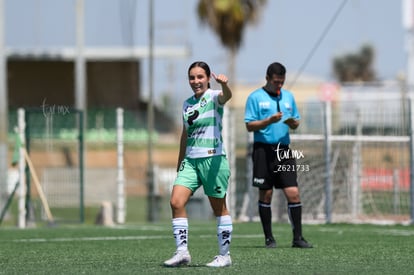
{"type": "Point", "coordinates": [270, 113]}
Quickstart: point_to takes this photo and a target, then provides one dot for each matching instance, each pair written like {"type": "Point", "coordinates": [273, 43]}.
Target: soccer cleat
{"type": "Point", "coordinates": [301, 243]}
{"type": "Point", "coordinates": [270, 243]}
{"type": "Point", "coordinates": [179, 258]}
{"type": "Point", "coordinates": [220, 261]}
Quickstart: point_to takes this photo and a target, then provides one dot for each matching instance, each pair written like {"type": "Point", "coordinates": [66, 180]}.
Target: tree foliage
{"type": "Point", "coordinates": [355, 67]}
{"type": "Point", "coordinates": [228, 18]}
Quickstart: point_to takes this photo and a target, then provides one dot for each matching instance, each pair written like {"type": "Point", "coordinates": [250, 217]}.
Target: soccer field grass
{"type": "Point", "coordinates": [141, 249]}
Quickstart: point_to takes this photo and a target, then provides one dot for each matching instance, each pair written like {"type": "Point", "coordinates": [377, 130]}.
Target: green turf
{"type": "Point", "coordinates": [141, 249]}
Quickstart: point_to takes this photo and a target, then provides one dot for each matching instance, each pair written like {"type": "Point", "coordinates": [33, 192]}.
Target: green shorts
{"type": "Point", "coordinates": [211, 172]}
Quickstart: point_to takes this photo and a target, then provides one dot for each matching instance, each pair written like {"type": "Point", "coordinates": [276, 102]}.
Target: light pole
{"type": "Point", "coordinates": [152, 203]}
{"type": "Point", "coordinates": [3, 101]}
{"type": "Point", "coordinates": [80, 79]}
{"type": "Point", "coordinates": [408, 24]}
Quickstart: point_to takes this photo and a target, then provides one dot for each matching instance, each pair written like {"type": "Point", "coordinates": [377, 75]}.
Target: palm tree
{"type": "Point", "coordinates": [228, 19]}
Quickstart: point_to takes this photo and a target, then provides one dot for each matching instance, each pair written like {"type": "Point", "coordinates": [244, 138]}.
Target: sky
{"type": "Point", "coordinates": [303, 35]}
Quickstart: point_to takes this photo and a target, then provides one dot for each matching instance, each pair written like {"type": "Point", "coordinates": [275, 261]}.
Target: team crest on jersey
{"type": "Point", "coordinates": [287, 106]}
{"type": "Point", "coordinates": [203, 102]}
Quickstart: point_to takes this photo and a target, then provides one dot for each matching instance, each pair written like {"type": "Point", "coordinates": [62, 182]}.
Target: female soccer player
{"type": "Point", "coordinates": [202, 162]}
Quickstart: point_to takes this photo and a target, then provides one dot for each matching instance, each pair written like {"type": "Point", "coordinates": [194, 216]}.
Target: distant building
{"type": "Point", "coordinates": [113, 76]}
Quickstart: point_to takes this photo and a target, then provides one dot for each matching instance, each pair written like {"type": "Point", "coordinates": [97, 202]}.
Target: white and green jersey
{"type": "Point", "coordinates": [202, 118]}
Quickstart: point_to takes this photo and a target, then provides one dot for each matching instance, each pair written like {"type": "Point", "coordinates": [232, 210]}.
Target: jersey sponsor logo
{"type": "Point", "coordinates": [191, 114]}
{"type": "Point", "coordinates": [264, 104]}
{"type": "Point", "coordinates": [211, 152]}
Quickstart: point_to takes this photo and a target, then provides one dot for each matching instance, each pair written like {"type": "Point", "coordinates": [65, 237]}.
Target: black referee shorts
{"type": "Point", "coordinates": [273, 166]}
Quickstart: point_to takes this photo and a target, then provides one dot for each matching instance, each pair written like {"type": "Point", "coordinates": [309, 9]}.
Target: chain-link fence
{"type": "Point", "coordinates": [355, 161]}
{"type": "Point", "coordinates": [354, 164]}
